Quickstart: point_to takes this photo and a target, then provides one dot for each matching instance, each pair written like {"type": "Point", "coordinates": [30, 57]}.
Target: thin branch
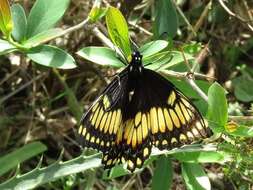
{"type": "Point", "coordinates": [234, 15]}
{"type": "Point", "coordinates": [21, 88]}
{"type": "Point", "coordinates": [200, 20]}
{"type": "Point", "coordinates": [241, 118]}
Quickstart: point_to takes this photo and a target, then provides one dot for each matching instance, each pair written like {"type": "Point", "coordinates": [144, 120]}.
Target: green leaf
{"type": "Point", "coordinates": [116, 171]}
{"type": "Point", "coordinates": [241, 85]}
{"type": "Point", "coordinates": [40, 176]}
{"type": "Point", "coordinates": [118, 30]}
{"type": "Point", "coordinates": [166, 20]}
{"type": "Point", "coordinates": [44, 15]}
{"type": "Point", "coordinates": [18, 156]}
{"type": "Point", "coordinates": [51, 56]}
{"type": "Point", "coordinates": [97, 13]}
{"type": "Point", "coordinates": [163, 174]}
{"type": "Point", "coordinates": [217, 105]}
{"type": "Point", "coordinates": [19, 21]}
{"type": "Point", "coordinates": [202, 157]}
{"type": "Point", "coordinates": [241, 131]}
{"type": "Point", "coordinates": [101, 56]}
{"type": "Point", "coordinates": [153, 47]}
{"type": "Point", "coordinates": [165, 60]}
{"type": "Point", "coordinates": [5, 46]}
{"type": "Point", "coordinates": [42, 37]}
{"type": "Point", "coordinates": [5, 18]}
{"type": "Point", "coordinates": [195, 177]}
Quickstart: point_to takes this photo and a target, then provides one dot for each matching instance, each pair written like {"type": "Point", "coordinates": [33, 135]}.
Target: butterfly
{"type": "Point", "coordinates": [139, 109]}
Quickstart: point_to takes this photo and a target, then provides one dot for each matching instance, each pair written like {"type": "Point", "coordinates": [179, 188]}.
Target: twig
{"type": "Point", "coordinates": [200, 20]}
{"type": "Point", "coordinates": [234, 15]}
{"type": "Point", "coordinates": [9, 76]}
{"type": "Point", "coordinates": [140, 28]}
{"type": "Point", "coordinates": [241, 118]}
{"type": "Point", "coordinates": [183, 75]}
{"type": "Point", "coordinates": [185, 19]}
{"type": "Point", "coordinates": [20, 88]}
{"type": "Point", "coordinates": [196, 88]}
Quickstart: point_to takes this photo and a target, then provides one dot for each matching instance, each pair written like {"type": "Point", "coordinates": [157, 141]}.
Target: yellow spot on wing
{"type": "Point", "coordinates": [137, 119]}
{"type": "Point", "coordinates": [134, 138]}
{"type": "Point", "coordinates": [154, 121]}
{"type": "Point", "coordinates": [145, 152]}
{"type": "Point", "coordinates": [144, 126]}
{"type": "Point", "coordinates": [168, 119]}
{"type": "Point", "coordinates": [139, 161]}
{"type": "Point", "coordinates": [164, 142]}
{"type": "Point", "coordinates": [179, 113]}
{"type": "Point", "coordinates": [101, 112]}
{"type": "Point", "coordinates": [92, 140]}
{"type": "Point", "coordinates": [94, 117]}
{"type": "Point", "coordinates": [172, 98]}
{"type": "Point", "coordinates": [195, 132]}
{"type": "Point", "coordinates": [106, 102]}
{"type": "Point", "coordinates": [174, 118]}
{"type": "Point", "coordinates": [173, 140]}
{"type": "Point", "coordinates": [112, 125]}
{"type": "Point", "coordinates": [87, 137]}
{"type": "Point", "coordinates": [95, 107]}
{"type": "Point", "coordinates": [117, 121]}
{"type": "Point", "coordinates": [101, 126]}
{"type": "Point", "coordinates": [182, 138]}
{"type": "Point", "coordinates": [186, 103]}
{"type": "Point", "coordinates": [161, 120]}
{"type": "Point", "coordinates": [108, 121]}
{"type": "Point", "coordinates": [119, 134]}
{"type": "Point", "coordinates": [84, 131]}
{"type": "Point", "coordinates": [139, 134]}
{"type": "Point", "coordinates": [185, 112]}
{"type": "Point", "coordinates": [130, 164]}
{"type": "Point", "coordinates": [130, 134]}
{"type": "Point", "coordinates": [80, 129]}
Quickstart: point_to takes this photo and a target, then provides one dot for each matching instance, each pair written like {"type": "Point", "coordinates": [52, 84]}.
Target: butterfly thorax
{"type": "Point", "coordinates": [135, 66]}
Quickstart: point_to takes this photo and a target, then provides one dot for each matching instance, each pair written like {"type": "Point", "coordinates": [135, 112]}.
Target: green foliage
{"type": "Point", "coordinates": [18, 156]}
{"type": "Point", "coordinates": [44, 15]}
{"type": "Point", "coordinates": [217, 107]}
{"type": "Point", "coordinates": [20, 22]}
{"type": "Point", "coordinates": [5, 18]}
{"type": "Point", "coordinates": [40, 176]}
{"type": "Point", "coordinates": [195, 177]}
{"type": "Point", "coordinates": [118, 30]}
{"type": "Point", "coordinates": [234, 151]}
{"type": "Point", "coordinates": [163, 171]}
{"type": "Point", "coordinates": [52, 57]}
{"type": "Point", "coordinates": [166, 21]}
{"type": "Point", "coordinates": [101, 56]}
{"type": "Point", "coordinates": [242, 84]}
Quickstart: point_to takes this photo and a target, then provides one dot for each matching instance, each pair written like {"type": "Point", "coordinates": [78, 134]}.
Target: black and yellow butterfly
{"type": "Point", "coordinates": [137, 110]}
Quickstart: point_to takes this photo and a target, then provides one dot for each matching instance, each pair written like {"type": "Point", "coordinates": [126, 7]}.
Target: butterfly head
{"type": "Point", "coordinates": [136, 62]}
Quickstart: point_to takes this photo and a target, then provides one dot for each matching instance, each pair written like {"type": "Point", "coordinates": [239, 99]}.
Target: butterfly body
{"type": "Point", "coordinates": [137, 110]}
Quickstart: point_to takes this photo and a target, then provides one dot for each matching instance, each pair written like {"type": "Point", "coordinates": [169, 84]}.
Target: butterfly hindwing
{"type": "Point", "coordinates": [174, 119]}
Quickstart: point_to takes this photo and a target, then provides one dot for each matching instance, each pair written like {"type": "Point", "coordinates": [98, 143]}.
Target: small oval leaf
{"type": "Point", "coordinates": [118, 30]}
{"type": "Point", "coordinates": [195, 177]}
{"type": "Point", "coordinates": [5, 18]}
{"type": "Point", "coordinates": [51, 56]}
{"type": "Point", "coordinates": [101, 56]}
{"type": "Point", "coordinates": [153, 47]}
{"type": "Point", "coordinates": [44, 15]}
{"type": "Point", "coordinates": [19, 21]}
